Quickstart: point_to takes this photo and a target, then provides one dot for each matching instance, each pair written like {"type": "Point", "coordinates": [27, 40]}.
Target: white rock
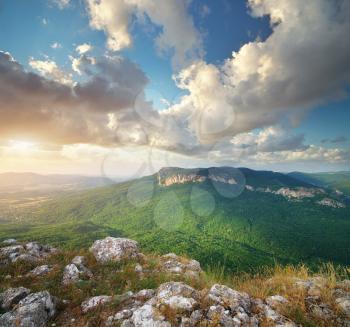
{"type": "Point", "coordinates": [78, 260]}
{"type": "Point", "coordinates": [40, 270]}
{"type": "Point", "coordinates": [94, 302]}
{"type": "Point", "coordinates": [223, 295]}
{"type": "Point", "coordinates": [114, 249]}
{"type": "Point", "coordinates": [12, 296]}
{"type": "Point", "coordinates": [344, 304]}
{"type": "Point", "coordinates": [35, 310]}
{"type": "Point", "coordinates": [10, 241]}
{"type": "Point", "coordinates": [148, 316]}
{"type": "Point", "coordinates": [71, 274]}
{"type": "Point", "coordinates": [180, 303]}
{"type": "Point", "coordinates": [275, 301]}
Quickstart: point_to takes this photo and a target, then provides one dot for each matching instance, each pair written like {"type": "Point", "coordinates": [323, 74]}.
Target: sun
{"type": "Point", "coordinates": [23, 146]}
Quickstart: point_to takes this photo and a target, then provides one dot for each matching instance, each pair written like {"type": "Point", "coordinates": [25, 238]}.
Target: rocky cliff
{"type": "Point", "coordinates": [115, 284]}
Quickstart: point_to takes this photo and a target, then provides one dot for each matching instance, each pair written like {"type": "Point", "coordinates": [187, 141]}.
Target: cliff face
{"type": "Point", "coordinates": [170, 176]}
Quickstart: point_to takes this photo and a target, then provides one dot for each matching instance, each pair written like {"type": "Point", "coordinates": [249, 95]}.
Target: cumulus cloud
{"type": "Point", "coordinates": [302, 63]}
{"type": "Point", "coordinates": [83, 48]}
{"type": "Point", "coordinates": [49, 69]}
{"type": "Point", "coordinates": [178, 35]}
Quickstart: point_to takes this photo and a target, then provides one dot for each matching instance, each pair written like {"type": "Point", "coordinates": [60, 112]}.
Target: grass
{"type": "Point", "coordinates": [116, 279]}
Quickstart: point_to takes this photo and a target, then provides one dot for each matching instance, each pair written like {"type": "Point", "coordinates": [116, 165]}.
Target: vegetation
{"type": "Point", "coordinates": [252, 230]}
{"type": "Point", "coordinates": [116, 279]}
{"type": "Point", "coordinates": [337, 180]}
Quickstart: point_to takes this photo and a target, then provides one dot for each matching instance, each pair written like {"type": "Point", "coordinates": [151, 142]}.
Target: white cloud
{"type": "Point", "coordinates": [304, 62]}
{"type": "Point", "coordinates": [56, 45]}
{"type": "Point", "coordinates": [49, 69]}
{"type": "Point", "coordinates": [61, 4]}
{"type": "Point", "coordinates": [178, 31]}
{"type": "Point", "coordinates": [83, 48]}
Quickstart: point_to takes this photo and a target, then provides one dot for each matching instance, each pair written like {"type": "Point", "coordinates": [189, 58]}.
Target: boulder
{"type": "Point", "coordinates": [10, 241]}
{"type": "Point", "coordinates": [114, 249]}
{"type": "Point", "coordinates": [30, 252]}
{"type": "Point", "coordinates": [94, 302]}
{"type": "Point", "coordinates": [229, 298]}
{"type": "Point", "coordinates": [34, 310]}
{"type": "Point", "coordinates": [75, 271]}
{"type": "Point", "coordinates": [343, 304]}
{"type": "Point", "coordinates": [12, 296]}
{"type": "Point", "coordinates": [40, 270]}
{"type": "Point", "coordinates": [173, 264]}
{"type": "Point", "coordinates": [147, 316]}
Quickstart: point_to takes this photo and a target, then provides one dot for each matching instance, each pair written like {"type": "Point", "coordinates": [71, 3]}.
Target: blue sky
{"type": "Point", "coordinates": [29, 29]}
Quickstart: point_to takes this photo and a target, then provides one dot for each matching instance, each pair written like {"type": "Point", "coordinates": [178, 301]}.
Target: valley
{"type": "Point", "coordinates": [254, 219]}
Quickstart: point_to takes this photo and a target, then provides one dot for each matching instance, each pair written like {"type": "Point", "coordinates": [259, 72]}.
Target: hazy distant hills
{"type": "Point", "coordinates": [334, 180]}
{"type": "Point", "coordinates": [16, 182]}
{"type": "Point", "coordinates": [240, 219]}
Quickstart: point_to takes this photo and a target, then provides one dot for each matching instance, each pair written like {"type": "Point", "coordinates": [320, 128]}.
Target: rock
{"type": "Point", "coordinates": [35, 310]}
{"type": "Point", "coordinates": [173, 264]}
{"type": "Point", "coordinates": [79, 260]}
{"type": "Point", "coordinates": [196, 317]}
{"type": "Point", "coordinates": [275, 301]}
{"type": "Point", "coordinates": [273, 317]}
{"type": "Point", "coordinates": [121, 315]}
{"type": "Point", "coordinates": [30, 252]}
{"type": "Point", "coordinates": [321, 311]}
{"type": "Point", "coordinates": [70, 274]}
{"type": "Point", "coordinates": [12, 296]}
{"type": "Point", "coordinates": [94, 302]}
{"type": "Point", "coordinates": [229, 298]}
{"type": "Point", "coordinates": [11, 250]}
{"type": "Point", "coordinates": [25, 257]}
{"type": "Point", "coordinates": [114, 249]}
{"type": "Point", "coordinates": [75, 271]}
{"type": "Point", "coordinates": [138, 268]}
{"type": "Point", "coordinates": [40, 270]}
{"type": "Point", "coordinates": [312, 286]}
{"type": "Point", "coordinates": [343, 304]}
{"type": "Point", "coordinates": [10, 241]}
{"type": "Point", "coordinates": [144, 295]}
{"type": "Point", "coordinates": [147, 316]}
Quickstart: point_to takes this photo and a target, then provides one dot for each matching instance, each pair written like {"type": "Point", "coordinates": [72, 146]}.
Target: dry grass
{"type": "Point", "coordinates": [117, 278]}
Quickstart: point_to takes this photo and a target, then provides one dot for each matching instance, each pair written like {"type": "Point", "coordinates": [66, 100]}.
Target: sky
{"type": "Point", "coordinates": [125, 87]}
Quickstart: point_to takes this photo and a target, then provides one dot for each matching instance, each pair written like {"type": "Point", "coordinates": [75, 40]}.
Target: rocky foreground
{"type": "Point", "coordinates": [114, 284]}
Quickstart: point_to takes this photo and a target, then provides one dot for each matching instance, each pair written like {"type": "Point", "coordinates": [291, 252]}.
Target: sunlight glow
{"type": "Point", "coordinates": [22, 146]}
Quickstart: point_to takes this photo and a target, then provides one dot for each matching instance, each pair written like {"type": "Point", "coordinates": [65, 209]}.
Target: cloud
{"type": "Point", "coordinates": [338, 139]}
{"type": "Point", "coordinates": [178, 32]}
{"type": "Point", "coordinates": [61, 4]}
{"type": "Point", "coordinates": [56, 45]}
{"type": "Point", "coordinates": [303, 63]}
{"type": "Point", "coordinates": [49, 69]}
{"type": "Point", "coordinates": [40, 107]}
{"type": "Point", "coordinates": [83, 48]}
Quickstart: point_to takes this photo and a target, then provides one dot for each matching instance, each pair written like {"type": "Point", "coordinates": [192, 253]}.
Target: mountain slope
{"type": "Point", "coordinates": [337, 180]}
{"type": "Point", "coordinates": [256, 227]}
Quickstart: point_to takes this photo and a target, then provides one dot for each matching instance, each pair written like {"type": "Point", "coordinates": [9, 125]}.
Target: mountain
{"type": "Point", "coordinates": [335, 180]}
{"type": "Point", "coordinates": [237, 218]}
